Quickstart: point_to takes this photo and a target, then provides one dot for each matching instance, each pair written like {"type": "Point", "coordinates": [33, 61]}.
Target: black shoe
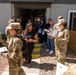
{"type": "Point", "coordinates": [29, 66]}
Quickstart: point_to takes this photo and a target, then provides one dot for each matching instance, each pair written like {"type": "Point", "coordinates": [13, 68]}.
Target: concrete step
{"type": "Point", "coordinates": [36, 51]}
{"type": "Point", "coordinates": [37, 45]}
{"type": "Point", "coordinates": [35, 56]}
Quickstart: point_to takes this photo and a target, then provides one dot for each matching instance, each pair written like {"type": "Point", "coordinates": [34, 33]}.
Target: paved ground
{"type": "Point", "coordinates": [3, 63]}
{"type": "Point", "coordinates": [48, 62]}
{"type": "Point", "coordinates": [34, 70]}
{"type": "Point", "coordinates": [45, 64]}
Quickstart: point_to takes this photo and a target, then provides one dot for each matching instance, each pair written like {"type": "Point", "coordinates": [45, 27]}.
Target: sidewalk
{"type": "Point", "coordinates": [44, 65]}
{"type": "Point", "coordinates": [34, 70]}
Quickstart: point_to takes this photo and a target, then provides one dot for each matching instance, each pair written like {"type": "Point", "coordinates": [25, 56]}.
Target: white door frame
{"type": "Point", "coordinates": [69, 16]}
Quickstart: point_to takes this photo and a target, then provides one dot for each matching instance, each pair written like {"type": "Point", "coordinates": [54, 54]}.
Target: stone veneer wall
{"type": "Point", "coordinates": [72, 41]}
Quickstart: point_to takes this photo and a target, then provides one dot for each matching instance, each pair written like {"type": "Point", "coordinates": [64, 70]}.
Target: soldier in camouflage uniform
{"type": "Point", "coordinates": [57, 27]}
{"type": "Point", "coordinates": [14, 50]}
{"type": "Point", "coordinates": [61, 42]}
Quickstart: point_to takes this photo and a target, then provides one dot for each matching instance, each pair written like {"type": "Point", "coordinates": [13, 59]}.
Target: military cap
{"type": "Point", "coordinates": [62, 22]}
{"type": "Point", "coordinates": [10, 21]}
{"type": "Point", "coordinates": [60, 17]}
{"type": "Point", "coordinates": [14, 26]}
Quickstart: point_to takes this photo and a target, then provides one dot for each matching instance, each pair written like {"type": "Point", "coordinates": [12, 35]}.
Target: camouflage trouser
{"type": "Point", "coordinates": [15, 68]}
{"type": "Point", "coordinates": [16, 71]}
{"type": "Point", "coordinates": [60, 54]}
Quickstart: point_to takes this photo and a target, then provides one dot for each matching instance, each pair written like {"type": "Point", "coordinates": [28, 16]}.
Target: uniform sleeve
{"type": "Point", "coordinates": [66, 36]}
{"type": "Point", "coordinates": [17, 46]}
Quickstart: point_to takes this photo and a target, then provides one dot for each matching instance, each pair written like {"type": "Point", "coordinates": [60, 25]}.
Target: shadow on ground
{"type": "Point", "coordinates": [43, 66]}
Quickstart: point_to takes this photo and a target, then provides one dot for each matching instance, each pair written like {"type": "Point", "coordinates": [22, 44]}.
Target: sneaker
{"type": "Point", "coordinates": [47, 50]}
{"type": "Point", "coordinates": [51, 52]}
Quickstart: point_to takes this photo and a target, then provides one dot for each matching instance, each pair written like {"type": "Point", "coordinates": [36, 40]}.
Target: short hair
{"type": "Point", "coordinates": [50, 19]}
{"type": "Point", "coordinates": [64, 24]}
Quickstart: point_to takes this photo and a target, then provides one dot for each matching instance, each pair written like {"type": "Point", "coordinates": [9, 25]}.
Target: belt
{"type": "Point", "coordinates": [50, 37]}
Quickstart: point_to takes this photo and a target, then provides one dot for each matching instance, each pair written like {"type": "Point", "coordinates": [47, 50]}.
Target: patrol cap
{"type": "Point", "coordinates": [60, 17]}
{"type": "Point", "coordinates": [10, 21]}
{"type": "Point", "coordinates": [62, 22]}
{"type": "Point", "coordinates": [14, 26]}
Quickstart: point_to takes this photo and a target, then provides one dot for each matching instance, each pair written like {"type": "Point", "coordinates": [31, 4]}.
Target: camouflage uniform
{"type": "Point", "coordinates": [61, 45]}
{"type": "Point", "coordinates": [61, 42]}
{"type": "Point", "coordinates": [56, 27]}
{"type": "Point", "coordinates": [15, 53]}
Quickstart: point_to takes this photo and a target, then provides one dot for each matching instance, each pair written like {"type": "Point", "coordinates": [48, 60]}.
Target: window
{"type": "Point", "coordinates": [72, 20]}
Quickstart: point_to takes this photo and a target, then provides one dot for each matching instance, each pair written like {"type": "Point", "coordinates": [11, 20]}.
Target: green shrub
{"type": "Point", "coordinates": [4, 37]}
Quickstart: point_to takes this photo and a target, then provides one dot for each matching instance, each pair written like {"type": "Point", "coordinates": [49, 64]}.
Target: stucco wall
{"type": "Point", "coordinates": [61, 9]}
{"type": "Point", "coordinates": [48, 13]}
{"type": "Point", "coordinates": [57, 10]}
{"type": "Point", "coordinates": [5, 15]}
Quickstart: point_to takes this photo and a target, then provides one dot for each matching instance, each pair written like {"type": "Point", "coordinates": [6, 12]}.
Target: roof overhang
{"type": "Point", "coordinates": [32, 0]}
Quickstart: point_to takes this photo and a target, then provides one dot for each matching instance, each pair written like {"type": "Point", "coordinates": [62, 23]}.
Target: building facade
{"type": "Point", "coordinates": [38, 8]}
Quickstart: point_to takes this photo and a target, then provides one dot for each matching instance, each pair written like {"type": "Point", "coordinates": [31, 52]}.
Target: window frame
{"type": "Point", "coordinates": [70, 11]}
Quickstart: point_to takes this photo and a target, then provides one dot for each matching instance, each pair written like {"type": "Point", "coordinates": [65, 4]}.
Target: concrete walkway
{"type": "Point", "coordinates": [34, 70]}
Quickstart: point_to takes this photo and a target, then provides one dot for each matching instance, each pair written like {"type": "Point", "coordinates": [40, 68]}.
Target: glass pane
{"type": "Point", "coordinates": [70, 21]}
{"type": "Point", "coordinates": [75, 14]}
{"type": "Point", "coordinates": [74, 24]}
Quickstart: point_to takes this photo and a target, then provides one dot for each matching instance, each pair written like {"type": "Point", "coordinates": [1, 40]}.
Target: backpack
{"type": "Point", "coordinates": [24, 43]}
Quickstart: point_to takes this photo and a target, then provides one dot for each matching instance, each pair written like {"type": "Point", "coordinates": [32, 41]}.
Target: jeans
{"type": "Point", "coordinates": [50, 44]}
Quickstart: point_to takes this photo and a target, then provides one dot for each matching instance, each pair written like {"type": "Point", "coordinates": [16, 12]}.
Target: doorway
{"type": "Point", "coordinates": [32, 14]}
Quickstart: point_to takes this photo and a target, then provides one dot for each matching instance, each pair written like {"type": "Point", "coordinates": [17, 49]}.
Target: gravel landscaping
{"type": "Point", "coordinates": [3, 63]}
{"type": "Point", "coordinates": [48, 62]}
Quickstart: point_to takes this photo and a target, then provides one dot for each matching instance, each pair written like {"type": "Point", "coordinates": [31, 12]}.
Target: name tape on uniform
{"type": "Point", "coordinates": [3, 49]}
